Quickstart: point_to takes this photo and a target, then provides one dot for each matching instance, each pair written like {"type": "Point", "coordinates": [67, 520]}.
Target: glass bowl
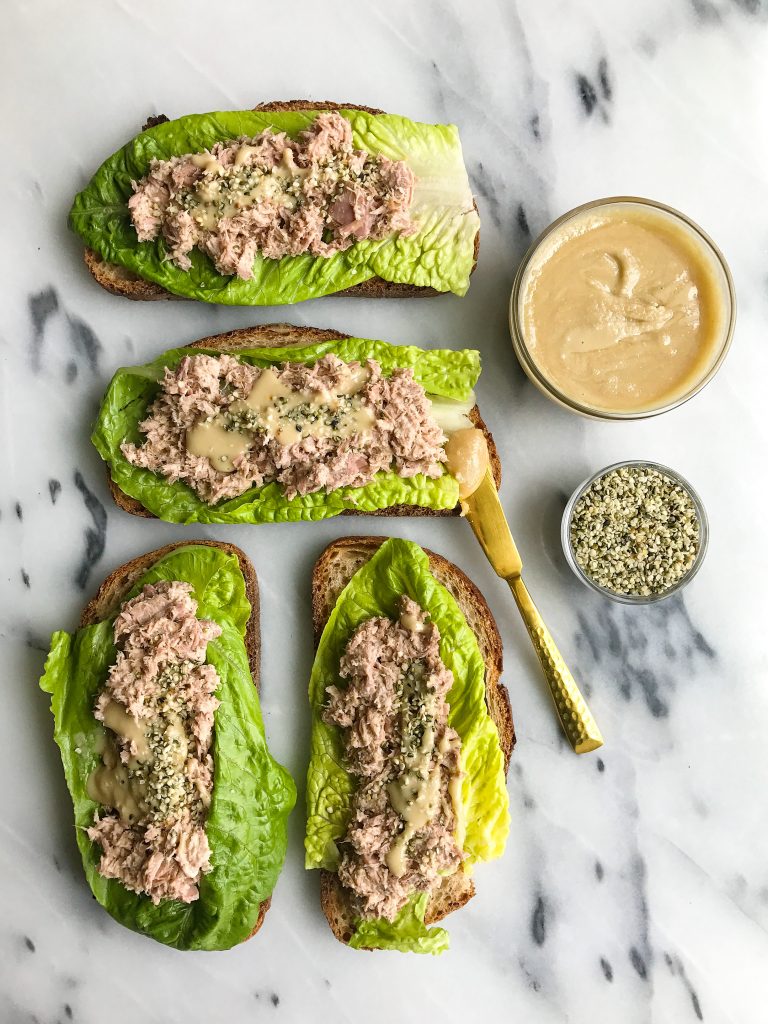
{"type": "Point", "coordinates": [709, 251]}
{"type": "Point", "coordinates": [701, 515]}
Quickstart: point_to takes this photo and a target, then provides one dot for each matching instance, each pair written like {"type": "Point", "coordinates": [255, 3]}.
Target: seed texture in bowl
{"type": "Point", "coordinates": [635, 531]}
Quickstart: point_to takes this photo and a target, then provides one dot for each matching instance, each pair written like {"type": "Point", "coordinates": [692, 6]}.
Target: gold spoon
{"type": "Point", "coordinates": [486, 517]}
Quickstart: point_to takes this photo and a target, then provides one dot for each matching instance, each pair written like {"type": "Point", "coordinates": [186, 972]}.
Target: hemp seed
{"type": "Point", "coordinates": [635, 531]}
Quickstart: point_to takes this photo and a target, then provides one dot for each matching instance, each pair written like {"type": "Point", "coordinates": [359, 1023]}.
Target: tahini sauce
{"type": "Point", "coordinates": [621, 309]}
{"type": "Point", "coordinates": [273, 405]}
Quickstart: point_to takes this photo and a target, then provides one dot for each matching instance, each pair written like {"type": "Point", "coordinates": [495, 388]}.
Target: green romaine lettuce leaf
{"type": "Point", "coordinates": [406, 934]}
{"type": "Point", "coordinates": [401, 567]}
{"type": "Point", "coordinates": [443, 373]}
{"type": "Point", "coordinates": [252, 795]}
{"type": "Point", "coordinates": [440, 254]}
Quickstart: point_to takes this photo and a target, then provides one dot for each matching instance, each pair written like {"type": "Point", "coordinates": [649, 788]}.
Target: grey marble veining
{"type": "Point", "coordinates": [635, 883]}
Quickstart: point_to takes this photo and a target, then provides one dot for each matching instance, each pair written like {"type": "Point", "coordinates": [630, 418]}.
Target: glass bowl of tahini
{"type": "Point", "coordinates": [622, 309]}
{"type": "Point", "coordinates": [636, 532]}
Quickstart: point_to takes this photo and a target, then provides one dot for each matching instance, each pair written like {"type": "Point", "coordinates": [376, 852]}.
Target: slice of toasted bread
{"type": "Point", "coordinates": [279, 336]}
{"type": "Point", "coordinates": [113, 590]}
{"type": "Point", "coordinates": [333, 570]}
{"type": "Point", "coordinates": [119, 281]}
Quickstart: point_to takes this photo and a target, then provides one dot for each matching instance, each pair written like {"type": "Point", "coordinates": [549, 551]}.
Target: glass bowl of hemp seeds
{"type": "Point", "coordinates": [636, 532]}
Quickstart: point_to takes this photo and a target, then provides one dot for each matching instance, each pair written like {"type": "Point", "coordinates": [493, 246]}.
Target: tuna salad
{"type": "Point", "coordinates": [274, 195]}
{"type": "Point", "coordinates": [156, 776]}
{"type": "Point", "coordinates": [222, 426]}
{"type": "Point", "coordinates": [404, 829]}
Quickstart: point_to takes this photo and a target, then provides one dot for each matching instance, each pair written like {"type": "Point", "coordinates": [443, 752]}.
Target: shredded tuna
{"type": "Point", "coordinates": [271, 194]}
{"type": "Point", "coordinates": [159, 705]}
{"type": "Point", "coordinates": [402, 436]}
{"type": "Point", "coordinates": [395, 696]}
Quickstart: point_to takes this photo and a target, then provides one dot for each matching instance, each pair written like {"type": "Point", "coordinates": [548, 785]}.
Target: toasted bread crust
{"type": "Point", "coordinates": [114, 588]}
{"type": "Point", "coordinates": [282, 335]}
{"type": "Point", "coordinates": [333, 570]}
{"type": "Point", "coordinates": [119, 281]}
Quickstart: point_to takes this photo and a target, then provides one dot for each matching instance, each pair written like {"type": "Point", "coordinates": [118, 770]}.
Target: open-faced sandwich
{"type": "Point", "coordinates": [411, 739]}
{"type": "Point", "coordinates": [286, 202]}
{"type": "Point", "coordinates": [280, 423]}
{"type": "Point", "coordinates": [180, 810]}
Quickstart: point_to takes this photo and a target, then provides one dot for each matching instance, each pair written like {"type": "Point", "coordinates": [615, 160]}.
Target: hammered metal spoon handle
{"type": "Point", "coordinates": [575, 717]}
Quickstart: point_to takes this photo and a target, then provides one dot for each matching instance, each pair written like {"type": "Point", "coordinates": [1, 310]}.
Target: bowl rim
{"type": "Point", "coordinates": [635, 599]}
{"type": "Point", "coordinates": [549, 389]}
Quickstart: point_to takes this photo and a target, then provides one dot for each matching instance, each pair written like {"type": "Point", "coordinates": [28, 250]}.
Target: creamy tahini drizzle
{"type": "Point", "coordinates": [271, 407]}
{"type": "Point", "coordinates": [415, 795]}
{"type": "Point", "coordinates": [111, 784]}
{"type": "Point", "coordinates": [223, 192]}
{"type": "Point", "coordinates": [114, 782]}
{"type": "Point", "coordinates": [411, 622]}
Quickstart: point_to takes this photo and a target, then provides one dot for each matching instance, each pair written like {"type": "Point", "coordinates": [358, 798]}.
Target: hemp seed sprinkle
{"type": "Point", "coordinates": [635, 531]}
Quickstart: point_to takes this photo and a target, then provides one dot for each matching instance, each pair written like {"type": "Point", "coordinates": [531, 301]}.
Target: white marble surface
{"type": "Point", "coordinates": [635, 883]}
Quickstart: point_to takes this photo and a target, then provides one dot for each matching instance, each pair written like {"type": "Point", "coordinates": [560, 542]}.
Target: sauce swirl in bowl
{"type": "Point", "coordinates": [623, 308]}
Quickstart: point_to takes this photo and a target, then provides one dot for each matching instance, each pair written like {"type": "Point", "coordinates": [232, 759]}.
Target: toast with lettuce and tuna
{"type": "Point", "coordinates": [283, 203]}
{"type": "Point", "coordinates": [411, 739]}
{"type": "Point", "coordinates": [278, 423]}
{"type": "Point", "coordinates": [180, 809]}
